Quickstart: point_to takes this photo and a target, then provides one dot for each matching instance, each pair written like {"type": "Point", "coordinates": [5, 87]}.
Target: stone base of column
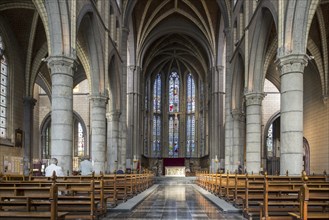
{"type": "Point", "coordinates": [64, 161]}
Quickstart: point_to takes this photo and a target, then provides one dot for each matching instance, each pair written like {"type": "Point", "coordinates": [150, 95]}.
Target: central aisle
{"type": "Point", "coordinates": [174, 202]}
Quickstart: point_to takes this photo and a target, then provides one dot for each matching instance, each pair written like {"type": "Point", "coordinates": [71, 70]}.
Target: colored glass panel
{"type": "Point", "coordinates": [190, 135]}
{"type": "Point", "coordinates": [190, 94]}
{"type": "Point", "coordinates": [173, 136]}
{"type": "Point", "coordinates": [157, 94]}
{"type": "Point", "coordinates": [156, 135]}
{"type": "Point", "coordinates": [174, 92]}
{"type": "Point", "coordinates": [3, 94]}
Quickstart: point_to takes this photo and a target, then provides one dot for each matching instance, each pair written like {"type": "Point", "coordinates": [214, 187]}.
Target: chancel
{"type": "Point", "coordinates": [212, 109]}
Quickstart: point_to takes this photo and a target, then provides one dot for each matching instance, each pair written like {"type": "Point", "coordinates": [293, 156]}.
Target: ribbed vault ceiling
{"type": "Point", "coordinates": [177, 34]}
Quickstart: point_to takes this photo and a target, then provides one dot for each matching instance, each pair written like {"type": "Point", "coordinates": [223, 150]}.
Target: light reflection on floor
{"type": "Point", "coordinates": [174, 202]}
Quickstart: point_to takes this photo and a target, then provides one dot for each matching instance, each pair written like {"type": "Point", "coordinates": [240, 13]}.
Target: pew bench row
{"type": "Point", "coordinates": [76, 196]}
{"type": "Point", "coordinates": [264, 196]}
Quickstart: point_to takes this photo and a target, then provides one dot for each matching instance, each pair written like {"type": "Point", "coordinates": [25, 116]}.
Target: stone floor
{"type": "Point", "coordinates": [174, 202]}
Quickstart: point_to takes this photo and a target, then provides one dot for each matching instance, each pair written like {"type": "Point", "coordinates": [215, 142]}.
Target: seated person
{"type": "Point", "coordinates": [120, 171]}
{"type": "Point", "coordinates": [86, 166]}
{"type": "Point", "coordinates": [53, 167]}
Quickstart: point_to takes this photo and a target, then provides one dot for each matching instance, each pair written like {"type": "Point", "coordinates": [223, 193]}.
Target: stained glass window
{"type": "Point", "coordinates": [190, 135]}
{"type": "Point", "coordinates": [46, 153]}
{"type": "Point", "coordinates": [201, 141]}
{"type": "Point", "coordinates": [146, 119]}
{"type": "Point", "coordinates": [156, 135]}
{"type": "Point", "coordinates": [190, 94]}
{"type": "Point", "coordinates": [269, 141]}
{"type": "Point", "coordinates": [3, 94]}
{"type": "Point", "coordinates": [173, 135]}
{"type": "Point", "coordinates": [174, 92]}
{"type": "Point", "coordinates": [81, 141]}
{"type": "Point", "coordinates": [157, 94]}
{"type": "Point", "coordinates": [190, 117]}
{"type": "Point", "coordinates": [156, 129]}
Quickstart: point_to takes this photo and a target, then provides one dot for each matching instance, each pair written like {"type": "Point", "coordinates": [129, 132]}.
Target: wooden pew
{"type": "Point", "coordinates": [281, 195]}
{"type": "Point", "coordinates": [254, 193]}
{"type": "Point", "coordinates": [239, 189]}
{"type": "Point", "coordinates": [29, 202]}
{"type": "Point", "coordinates": [80, 196]}
{"type": "Point", "coordinates": [314, 203]}
{"type": "Point", "coordinates": [111, 188]}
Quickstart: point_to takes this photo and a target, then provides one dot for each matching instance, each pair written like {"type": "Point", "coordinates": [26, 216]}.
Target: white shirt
{"type": "Point", "coordinates": [51, 168]}
{"type": "Point", "coordinates": [86, 167]}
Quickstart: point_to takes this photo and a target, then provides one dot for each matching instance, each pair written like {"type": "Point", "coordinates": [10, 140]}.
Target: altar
{"type": "Point", "coordinates": [175, 171]}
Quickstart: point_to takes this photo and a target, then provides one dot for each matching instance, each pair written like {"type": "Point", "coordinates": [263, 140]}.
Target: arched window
{"type": "Point", "coordinates": [190, 111]}
{"type": "Point", "coordinates": [172, 124]}
{"type": "Point", "coordinates": [173, 135]}
{"type": "Point", "coordinates": [4, 92]}
{"type": "Point", "coordinates": [80, 146]}
{"type": "Point", "coordinates": [173, 92]}
{"type": "Point", "coordinates": [201, 141]}
{"type": "Point", "coordinates": [173, 116]}
{"type": "Point", "coordinates": [156, 139]}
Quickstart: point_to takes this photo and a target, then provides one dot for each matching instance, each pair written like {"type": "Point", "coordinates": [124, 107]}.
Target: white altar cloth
{"type": "Point", "coordinates": [175, 171]}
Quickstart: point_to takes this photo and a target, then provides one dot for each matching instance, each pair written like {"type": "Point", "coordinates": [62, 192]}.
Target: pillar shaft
{"type": "Point", "coordinates": [216, 119]}
{"type": "Point", "coordinates": [62, 110]}
{"type": "Point", "coordinates": [253, 138]}
{"type": "Point", "coordinates": [291, 158]}
{"type": "Point", "coordinates": [236, 157]}
{"type": "Point", "coordinates": [122, 145]}
{"type": "Point", "coordinates": [29, 103]}
{"type": "Point", "coordinates": [98, 131]}
{"type": "Point", "coordinates": [228, 99]}
{"type": "Point", "coordinates": [134, 110]}
{"type": "Point", "coordinates": [112, 141]}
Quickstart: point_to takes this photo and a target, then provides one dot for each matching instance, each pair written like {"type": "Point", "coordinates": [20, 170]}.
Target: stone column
{"type": "Point", "coordinates": [62, 110]}
{"type": "Point", "coordinates": [112, 141]}
{"type": "Point", "coordinates": [253, 139]}
{"type": "Point", "coordinates": [228, 99]}
{"type": "Point", "coordinates": [292, 69]}
{"type": "Point", "coordinates": [98, 131]}
{"type": "Point", "coordinates": [216, 120]}
{"type": "Point", "coordinates": [122, 147]}
{"type": "Point", "coordinates": [29, 103]}
{"type": "Point", "coordinates": [236, 157]}
{"type": "Point", "coordinates": [133, 114]}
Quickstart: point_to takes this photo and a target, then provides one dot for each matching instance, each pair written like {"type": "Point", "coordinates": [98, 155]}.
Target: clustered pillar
{"type": "Point", "coordinates": [29, 103]}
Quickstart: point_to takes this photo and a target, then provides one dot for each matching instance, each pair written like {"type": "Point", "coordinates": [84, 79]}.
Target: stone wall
{"type": "Point", "coordinates": [316, 122]}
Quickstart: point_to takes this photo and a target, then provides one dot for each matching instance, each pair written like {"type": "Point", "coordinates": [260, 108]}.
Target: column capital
{"type": "Point", "coordinates": [227, 31]}
{"type": "Point", "coordinates": [292, 62]}
{"type": "Point", "coordinates": [133, 68]}
{"type": "Point", "coordinates": [113, 116]}
{"type": "Point", "coordinates": [61, 64]}
{"type": "Point", "coordinates": [98, 99]}
{"type": "Point", "coordinates": [237, 114]}
{"type": "Point", "coordinates": [253, 98]}
{"type": "Point", "coordinates": [325, 99]}
{"type": "Point", "coordinates": [29, 100]}
{"type": "Point", "coordinates": [217, 69]}
{"type": "Point", "coordinates": [220, 68]}
{"type": "Point", "coordinates": [125, 29]}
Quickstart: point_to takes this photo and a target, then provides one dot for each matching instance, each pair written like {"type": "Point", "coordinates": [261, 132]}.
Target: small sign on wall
{"type": "Point", "coordinates": [18, 137]}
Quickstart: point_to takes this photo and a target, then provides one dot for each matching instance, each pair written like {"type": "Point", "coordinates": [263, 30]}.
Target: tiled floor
{"type": "Point", "coordinates": [174, 202]}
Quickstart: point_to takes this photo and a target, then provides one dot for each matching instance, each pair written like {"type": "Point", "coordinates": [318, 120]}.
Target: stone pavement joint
{"type": "Point", "coordinates": [130, 204]}
{"type": "Point", "coordinates": [220, 203]}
